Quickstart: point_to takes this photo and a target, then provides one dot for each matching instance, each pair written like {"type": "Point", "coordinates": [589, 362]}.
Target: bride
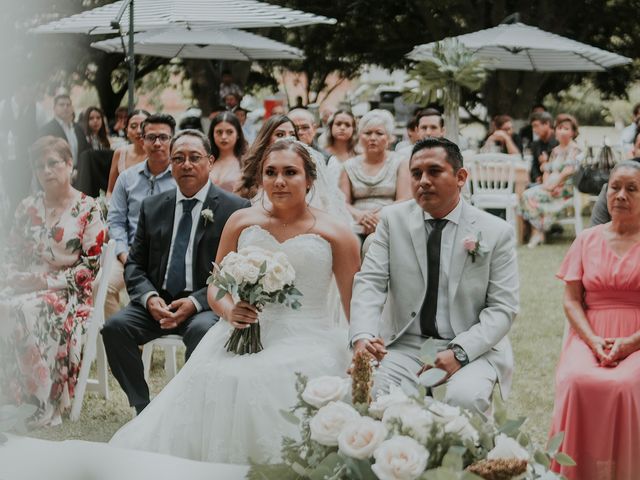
{"type": "Point", "coordinates": [225, 408]}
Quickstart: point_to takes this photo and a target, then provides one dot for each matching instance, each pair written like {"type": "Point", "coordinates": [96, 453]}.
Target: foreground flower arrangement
{"type": "Point", "coordinates": [256, 276]}
{"type": "Point", "coordinates": [403, 435]}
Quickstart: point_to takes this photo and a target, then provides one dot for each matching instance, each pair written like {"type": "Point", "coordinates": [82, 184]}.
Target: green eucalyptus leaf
{"type": "Point", "coordinates": [428, 351]}
{"type": "Point", "coordinates": [542, 458]}
{"type": "Point", "coordinates": [290, 417]}
{"type": "Point", "coordinates": [554, 443]}
{"type": "Point", "coordinates": [564, 459]}
{"type": "Point", "coordinates": [511, 427]}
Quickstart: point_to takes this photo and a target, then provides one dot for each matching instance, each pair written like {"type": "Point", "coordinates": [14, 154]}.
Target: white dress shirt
{"type": "Point", "coordinates": [70, 133]}
{"type": "Point", "coordinates": [201, 196]}
{"type": "Point", "coordinates": [443, 321]}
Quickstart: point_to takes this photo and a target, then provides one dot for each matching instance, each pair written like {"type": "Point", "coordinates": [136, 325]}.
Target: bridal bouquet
{"type": "Point", "coordinates": [256, 276]}
{"type": "Point", "coordinates": [403, 435]}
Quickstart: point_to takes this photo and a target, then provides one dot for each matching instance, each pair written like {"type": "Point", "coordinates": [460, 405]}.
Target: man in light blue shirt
{"type": "Point", "coordinates": [132, 187]}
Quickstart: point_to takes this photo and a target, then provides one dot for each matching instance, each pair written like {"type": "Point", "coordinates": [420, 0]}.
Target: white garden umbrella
{"type": "Point", "coordinates": [213, 43]}
{"type": "Point", "coordinates": [521, 47]}
{"type": "Point", "coordinates": [150, 14]}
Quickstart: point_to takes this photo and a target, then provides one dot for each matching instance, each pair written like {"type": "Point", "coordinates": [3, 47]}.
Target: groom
{"type": "Point", "coordinates": [166, 272]}
{"type": "Point", "coordinates": [439, 268]}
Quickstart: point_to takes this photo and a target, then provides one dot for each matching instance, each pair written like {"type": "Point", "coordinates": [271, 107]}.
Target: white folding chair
{"type": "Point", "coordinates": [93, 346]}
{"type": "Point", "coordinates": [169, 343]}
{"type": "Point", "coordinates": [576, 218]}
{"type": "Point", "coordinates": [493, 182]}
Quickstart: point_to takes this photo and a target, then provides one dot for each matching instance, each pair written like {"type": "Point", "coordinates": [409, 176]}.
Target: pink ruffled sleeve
{"type": "Point", "coordinates": [571, 269]}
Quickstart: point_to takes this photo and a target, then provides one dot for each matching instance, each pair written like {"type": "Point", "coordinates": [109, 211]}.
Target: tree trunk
{"type": "Point", "coordinates": [109, 99]}
{"type": "Point", "coordinates": [512, 93]}
{"type": "Point", "coordinates": [205, 81]}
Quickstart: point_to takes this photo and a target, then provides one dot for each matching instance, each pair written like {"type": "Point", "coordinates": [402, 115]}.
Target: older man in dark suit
{"type": "Point", "coordinates": [175, 244]}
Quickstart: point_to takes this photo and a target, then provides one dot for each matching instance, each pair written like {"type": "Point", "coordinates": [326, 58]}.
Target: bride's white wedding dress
{"type": "Point", "coordinates": [225, 408]}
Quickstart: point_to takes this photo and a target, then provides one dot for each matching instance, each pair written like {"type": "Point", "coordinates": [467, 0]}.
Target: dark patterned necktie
{"type": "Point", "coordinates": [176, 276]}
{"type": "Point", "coordinates": [428, 324]}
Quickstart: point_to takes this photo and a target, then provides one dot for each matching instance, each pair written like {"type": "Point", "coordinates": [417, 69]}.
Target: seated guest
{"type": "Point", "coordinates": [542, 204]}
{"type": "Point", "coordinates": [528, 133]}
{"type": "Point", "coordinates": [597, 396]}
{"type": "Point", "coordinates": [227, 147]}
{"type": "Point", "coordinates": [542, 126]}
{"type": "Point", "coordinates": [119, 126]}
{"type": "Point", "coordinates": [376, 178]}
{"type": "Point", "coordinates": [95, 129]}
{"type": "Point", "coordinates": [51, 261]}
{"type": "Point", "coordinates": [628, 135]}
{"type": "Point", "coordinates": [132, 154]}
{"type": "Point", "coordinates": [63, 126]}
{"type": "Point", "coordinates": [502, 138]}
{"type": "Point", "coordinates": [306, 128]}
{"type": "Point", "coordinates": [169, 262]}
{"type": "Point", "coordinates": [429, 123]}
{"type": "Point", "coordinates": [342, 138]}
{"type": "Point", "coordinates": [135, 184]}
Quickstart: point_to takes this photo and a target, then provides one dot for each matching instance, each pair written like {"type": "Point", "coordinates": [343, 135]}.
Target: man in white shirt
{"type": "Point", "coordinates": [63, 126]}
{"type": "Point", "coordinates": [166, 271]}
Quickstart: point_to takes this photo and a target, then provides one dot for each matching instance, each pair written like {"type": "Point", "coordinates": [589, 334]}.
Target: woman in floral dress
{"type": "Point", "coordinates": [543, 204]}
{"type": "Point", "coordinates": [50, 262]}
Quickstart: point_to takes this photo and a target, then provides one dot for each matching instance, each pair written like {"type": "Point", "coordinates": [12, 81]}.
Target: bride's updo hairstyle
{"type": "Point", "coordinates": [297, 147]}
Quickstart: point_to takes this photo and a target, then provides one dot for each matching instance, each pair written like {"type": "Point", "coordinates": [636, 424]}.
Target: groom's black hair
{"type": "Point", "coordinates": [454, 157]}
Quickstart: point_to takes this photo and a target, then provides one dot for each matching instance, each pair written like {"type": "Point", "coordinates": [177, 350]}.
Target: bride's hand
{"type": "Point", "coordinates": [241, 315]}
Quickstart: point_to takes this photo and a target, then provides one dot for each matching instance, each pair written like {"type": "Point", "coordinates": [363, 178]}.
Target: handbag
{"type": "Point", "coordinates": [592, 173]}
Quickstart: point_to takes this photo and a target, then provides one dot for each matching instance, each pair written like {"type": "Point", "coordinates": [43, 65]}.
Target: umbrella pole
{"type": "Point", "coordinates": [132, 62]}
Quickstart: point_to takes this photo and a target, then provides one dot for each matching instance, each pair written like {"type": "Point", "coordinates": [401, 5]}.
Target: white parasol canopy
{"type": "Point", "coordinates": [521, 47]}
{"type": "Point", "coordinates": [213, 43]}
{"type": "Point", "coordinates": [150, 14]}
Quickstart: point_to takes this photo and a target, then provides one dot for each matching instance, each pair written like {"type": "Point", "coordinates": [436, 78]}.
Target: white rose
{"type": "Point", "coordinates": [327, 423]}
{"type": "Point", "coordinates": [419, 421]}
{"type": "Point", "coordinates": [247, 273]}
{"type": "Point", "coordinates": [285, 269]}
{"type": "Point", "coordinates": [271, 283]}
{"type": "Point", "coordinates": [462, 427]}
{"type": "Point", "coordinates": [359, 438]}
{"type": "Point", "coordinates": [400, 458]}
{"type": "Point", "coordinates": [322, 390]}
{"type": "Point", "coordinates": [444, 413]}
{"type": "Point", "coordinates": [399, 411]}
{"type": "Point", "coordinates": [382, 402]}
{"type": "Point", "coordinates": [507, 447]}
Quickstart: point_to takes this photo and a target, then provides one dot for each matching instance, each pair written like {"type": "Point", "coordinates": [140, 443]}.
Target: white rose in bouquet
{"type": "Point", "coordinates": [400, 458]}
{"type": "Point", "coordinates": [443, 413]}
{"type": "Point", "coordinates": [327, 423]}
{"type": "Point", "coordinates": [507, 447]}
{"type": "Point", "coordinates": [322, 390]}
{"type": "Point", "coordinates": [399, 410]}
{"type": "Point", "coordinates": [359, 438]}
{"type": "Point", "coordinates": [462, 427]}
{"type": "Point", "coordinates": [419, 421]}
{"type": "Point", "coordinates": [271, 282]}
{"type": "Point", "coordinates": [382, 402]}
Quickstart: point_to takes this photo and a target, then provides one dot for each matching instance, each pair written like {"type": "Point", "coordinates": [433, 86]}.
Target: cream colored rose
{"type": "Point", "coordinates": [382, 402]}
{"type": "Point", "coordinates": [412, 416]}
{"type": "Point", "coordinates": [327, 423]}
{"type": "Point", "coordinates": [443, 413]}
{"type": "Point", "coordinates": [507, 447]}
{"type": "Point", "coordinates": [462, 427]}
{"type": "Point", "coordinates": [271, 283]}
{"type": "Point", "coordinates": [399, 410]}
{"type": "Point", "coordinates": [359, 438]}
{"type": "Point", "coordinates": [322, 390]}
{"type": "Point", "coordinates": [400, 458]}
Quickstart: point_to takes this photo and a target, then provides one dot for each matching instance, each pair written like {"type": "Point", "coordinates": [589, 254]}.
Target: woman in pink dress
{"type": "Point", "coordinates": [597, 403]}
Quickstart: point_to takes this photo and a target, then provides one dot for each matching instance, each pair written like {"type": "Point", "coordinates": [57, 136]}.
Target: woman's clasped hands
{"type": "Point", "coordinates": [611, 351]}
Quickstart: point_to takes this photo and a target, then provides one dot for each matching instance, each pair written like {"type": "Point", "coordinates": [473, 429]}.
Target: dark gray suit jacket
{"type": "Point", "coordinates": [148, 258]}
{"type": "Point", "coordinates": [54, 128]}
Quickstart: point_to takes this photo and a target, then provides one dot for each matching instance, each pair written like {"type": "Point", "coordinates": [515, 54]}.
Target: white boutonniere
{"type": "Point", "coordinates": [471, 244]}
{"type": "Point", "coordinates": [207, 214]}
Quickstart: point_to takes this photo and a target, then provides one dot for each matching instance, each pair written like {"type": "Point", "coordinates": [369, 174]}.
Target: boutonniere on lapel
{"type": "Point", "coordinates": [207, 214]}
{"type": "Point", "coordinates": [471, 244]}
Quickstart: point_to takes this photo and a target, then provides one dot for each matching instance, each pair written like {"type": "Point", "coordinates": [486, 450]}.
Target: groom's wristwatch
{"type": "Point", "coordinates": [459, 354]}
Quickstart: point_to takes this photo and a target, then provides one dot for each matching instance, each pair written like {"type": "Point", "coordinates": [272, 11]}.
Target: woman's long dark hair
{"type": "Point", "coordinates": [103, 137]}
{"type": "Point", "coordinates": [252, 160]}
{"type": "Point", "coordinates": [240, 147]}
{"type": "Point", "coordinates": [354, 137]}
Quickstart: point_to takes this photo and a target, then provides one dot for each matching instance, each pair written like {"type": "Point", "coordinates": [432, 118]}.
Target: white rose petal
{"type": "Point", "coordinates": [397, 411]}
{"type": "Point", "coordinates": [359, 438]}
{"type": "Point", "coordinates": [327, 423]}
{"type": "Point", "coordinates": [462, 427]}
{"type": "Point", "coordinates": [400, 458]}
{"type": "Point", "coordinates": [382, 402]}
{"type": "Point", "coordinates": [444, 413]}
{"type": "Point", "coordinates": [271, 283]}
{"type": "Point", "coordinates": [322, 390]}
{"type": "Point", "coordinates": [507, 447]}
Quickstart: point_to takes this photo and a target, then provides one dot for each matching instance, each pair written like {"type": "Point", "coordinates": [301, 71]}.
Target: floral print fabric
{"type": "Point", "coordinates": [41, 331]}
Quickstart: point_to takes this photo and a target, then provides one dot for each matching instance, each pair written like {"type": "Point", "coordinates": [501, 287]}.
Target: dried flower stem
{"type": "Point", "coordinates": [361, 378]}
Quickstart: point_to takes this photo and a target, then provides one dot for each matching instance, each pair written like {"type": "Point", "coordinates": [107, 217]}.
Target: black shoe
{"type": "Point", "coordinates": [556, 230]}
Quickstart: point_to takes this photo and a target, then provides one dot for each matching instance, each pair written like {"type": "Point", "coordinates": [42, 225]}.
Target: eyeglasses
{"type": "Point", "coordinates": [180, 159]}
{"type": "Point", "coordinates": [152, 137]}
{"type": "Point", "coordinates": [49, 163]}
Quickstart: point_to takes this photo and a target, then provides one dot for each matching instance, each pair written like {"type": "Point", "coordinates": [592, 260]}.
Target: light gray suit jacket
{"type": "Point", "coordinates": [390, 288]}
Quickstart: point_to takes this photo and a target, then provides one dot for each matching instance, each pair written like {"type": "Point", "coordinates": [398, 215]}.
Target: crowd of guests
{"type": "Point", "coordinates": [58, 233]}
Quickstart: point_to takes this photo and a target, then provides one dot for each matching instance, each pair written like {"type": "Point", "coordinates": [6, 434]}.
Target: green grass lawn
{"type": "Point", "coordinates": [536, 337]}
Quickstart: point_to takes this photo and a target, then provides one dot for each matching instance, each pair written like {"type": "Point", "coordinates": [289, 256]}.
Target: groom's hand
{"type": "Point", "coordinates": [447, 361]}
{"type": "Point", "coordinates": [374, 347]}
